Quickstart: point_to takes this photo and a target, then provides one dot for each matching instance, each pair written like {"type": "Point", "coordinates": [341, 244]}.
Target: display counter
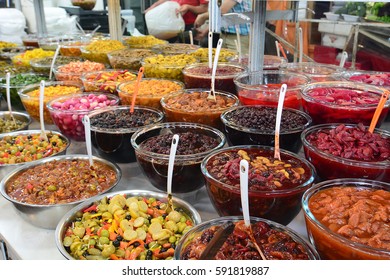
{"type": "Point", "coordinates": [28, 242]}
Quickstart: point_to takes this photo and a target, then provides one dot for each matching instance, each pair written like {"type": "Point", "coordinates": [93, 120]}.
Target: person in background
{"type": "Point", "coordinates": [228, 34]}
{"type": "Point", "coordinates": [189, 9]}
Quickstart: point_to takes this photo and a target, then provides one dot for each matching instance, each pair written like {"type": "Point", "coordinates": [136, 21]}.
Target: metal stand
{"type": "Point", "coordinates": [40, 18]}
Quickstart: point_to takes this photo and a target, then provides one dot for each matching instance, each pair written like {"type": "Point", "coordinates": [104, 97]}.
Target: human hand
{"type": "Point", "coordinates": [201, 19]}
{"type": "Point", "coordinates": [201, 33]}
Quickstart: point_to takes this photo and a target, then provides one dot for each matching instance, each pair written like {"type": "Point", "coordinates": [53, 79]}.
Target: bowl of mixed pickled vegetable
{"type": "Point", "coordinates": [26, 146]}
{"type": "Point", "coordinates": [125, 225]}
{"type": "Point", "coordinates": [43, 191]}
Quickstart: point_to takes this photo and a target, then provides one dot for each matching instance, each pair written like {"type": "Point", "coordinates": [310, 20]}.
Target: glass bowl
{"type": "Point", "coordinates": [340, 216]}
{"type": "Point", "coordinates": [150, 91]}
{"type": "Point", "coordinates": [263, 87]}
{"type": "Point", "coordinates": [317, 72]}
{"type": "Point", "coordinates": [74, 70]}
{"type": "Point", "coordinates": [271, 62]}
{"type": "Point", "coordinates": [72, 48]}
{"type": "Point", "coordinates": [255, 125]}
{"type": "Point", "coordinates": [343, 102]}
{"type": "Point", "coordinates": [106, 81]}
{"type": "Point", "coordinates": [30, 97]}
{"type": "Point", "coordinates": [128, 58]}
{"type": "Point", "coordinates": [97, 50]}
{"type": "Point", "coordinates": [174, 48]}
{"type": "Point", "coordinates": [17, 82]}
{"type": "Point", "coordinates": [199, 76]}
{"type": "Point", "coordinates": [275, 187]}
{"type": "Point", "coordinates": [143, 42]}
{"type": "Point", "coordinates": [67, 112]}
{"type": "Point", "coordinates": [374, 78]}
{"type": "Point", "coordinates": [202, 54]}
{"type": "Point", "coordinates": [42, 65]}
{"type": "Point", "coordinates": [53, 188]}
{"type": "Point", "coordinates": [135, 226]}
{"type": "Point", "coordinates": [193, 105]}
{"type": "Point", "coordinates": [152, 147]}
{"type": "Point", "coordinates": [166, 66]}
{"type": "Point", "coordinates": [112, 128]}
{"type": "Point", "coordinates": [347, 151]}
{"type": "Point", "coordinates": [273, 238]}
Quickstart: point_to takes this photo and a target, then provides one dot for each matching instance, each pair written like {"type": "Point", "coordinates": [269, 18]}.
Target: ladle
{"type": "Point", "coordinates": [244, 170]}
{"type": "Point", "coordinates": [343, 59]}
{"type": "Point", "coordinates": [41, 110]}
{"type": "Point", "coordinates": [87, 129]}
{"type": "Point", "coordinates": [279, 111]}
{"type": "Point", "coordinates": [300, 45]}
{"type": "Point", "coordinates": [191, 37]}
{"type": "Point", "coordinates": [172, 155]}
{"type": "Point", "coordinates": [210, 49]}
{"type": "Point", "coordinates": [238, 43]}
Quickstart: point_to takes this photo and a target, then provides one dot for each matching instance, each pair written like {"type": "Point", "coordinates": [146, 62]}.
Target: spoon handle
{"type": "Point", "coordinates": [172, 154]}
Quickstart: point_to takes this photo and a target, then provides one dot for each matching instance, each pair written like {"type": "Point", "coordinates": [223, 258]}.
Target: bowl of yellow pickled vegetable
{"type": "Point", "coordinates": [125, 225]}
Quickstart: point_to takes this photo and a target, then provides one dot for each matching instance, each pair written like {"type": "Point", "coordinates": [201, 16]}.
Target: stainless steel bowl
{"type": "Point", "coordinates": [7, 168]}
{"type": "Point", "coordinates": [20, 116]}
{"type": "Point", "coordinates": [70, 216]}
{"type": "Point", "coordinates": [48, 216]}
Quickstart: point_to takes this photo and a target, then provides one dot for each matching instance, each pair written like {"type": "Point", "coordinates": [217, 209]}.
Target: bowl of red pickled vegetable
{"type": "Point", "coordinates": [346, 219]}
{"type": "Point", "coordinates": [348, 151]}
{"type": "Point", "coordinates": [275, 186]}
{"type": "Point", "coordinates": [276, 241]}
{"type": "Point", "coordinates": [317, 72]}
{"type": "Point", "coordinates": [343, 102]}
{"type": "Point", "coordinates": [125, 225]}
{"type": "Point", "coordinates": [263, 87]}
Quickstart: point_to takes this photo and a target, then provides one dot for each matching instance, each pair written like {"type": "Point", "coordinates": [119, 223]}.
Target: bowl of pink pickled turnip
{"type": "Point", "coordinates": [68, 111]}
{"type": "Point", "coordinates": [343, 102]}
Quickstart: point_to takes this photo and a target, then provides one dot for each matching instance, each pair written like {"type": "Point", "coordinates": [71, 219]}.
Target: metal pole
{"type": "Point", "coordinates": [257, 38]}
{"type": "Point", "coordinates": [355, 46]}
{"type": "Point", "coordinates": [40, 18]}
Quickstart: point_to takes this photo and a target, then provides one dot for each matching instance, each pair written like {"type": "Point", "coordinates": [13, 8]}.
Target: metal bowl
{"type": "Point", "coordinates": [70, 216]}
{"type": "Point", "coordinates": [48, 216]}
{"type": "Point", "coordinates": [6, 168]}
{"type": "Point", "coordinates": [20, 116]}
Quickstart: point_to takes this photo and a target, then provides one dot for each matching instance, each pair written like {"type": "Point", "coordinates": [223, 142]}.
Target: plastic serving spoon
{"type": "Point", "coordinates": [244, 167]}
{"type": "Point", "coordinates": [87, 129]}
{"type": "Point", "coordinates": [343, 59]}
{"type": "Point", "coordinates": [282, 94]}
{"type": "Point", "coordinates": [54, 61]}
{"type": "Point", "coordinates": [136, 88]}
{"type": "Point", "coordinates": [8, 78]}
{"type": "Point", "coordinates": [378, 110]}
{"type": "Point", "coordinates": [41, 107]}
{"type": "Point", "coordinates": [172, 155]}
{"type": "Point", "coordinates": [214, 70]}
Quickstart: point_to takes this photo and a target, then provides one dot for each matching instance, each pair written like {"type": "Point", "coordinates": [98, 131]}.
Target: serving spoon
{"type": "Point", "coordinates": [87, 129]}
{"type": "Point", "coordinates": [171, 161]}
{"type": "Point", "coordinates": [282, 94]}
{"type": "Point", "coordinates": [244, 169]}
{"type": "Point", "coordinates": [214, 71]}
{"type": "Point", "coordinates": [41, 107]}
{"type": "Point", "coordinates": [8, 93]}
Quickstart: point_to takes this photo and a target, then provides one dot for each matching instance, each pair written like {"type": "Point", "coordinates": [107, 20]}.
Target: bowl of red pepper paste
{"type": "Point", "coordinates": [276, 241]}
{"type": "Point", "coordinates": [255, 125]}
{"type": "Point", "coordinates": [263, 87]}
{"type": "Point", "coordinates": [347, 219]}
{"type": "Point", "coordinates": [43, 191]}
{"type": "Point", "coordinates": [343, 102]}
{"type": "Point", "coordinates": [348, 151]}
{"type": "Point", "coordinates": [199, 76]}
{"type": "Point", "coordinates": [275, 187]}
